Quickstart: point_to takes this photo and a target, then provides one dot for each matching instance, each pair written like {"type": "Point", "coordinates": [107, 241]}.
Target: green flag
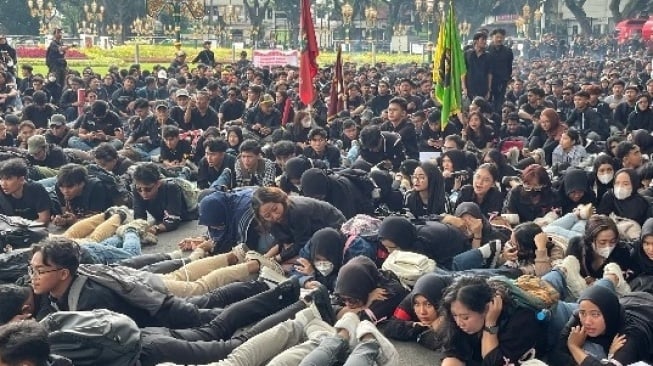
{"type": "Point", "coordinates": [448, 68]}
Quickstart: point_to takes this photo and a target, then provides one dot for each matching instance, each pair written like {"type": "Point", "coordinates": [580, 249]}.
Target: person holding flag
{"type": "Point", "coordinates": [449, 68]}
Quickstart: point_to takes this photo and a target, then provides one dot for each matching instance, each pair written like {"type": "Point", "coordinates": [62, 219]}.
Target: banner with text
{"type": "Point", "coordinates": [270, 58]}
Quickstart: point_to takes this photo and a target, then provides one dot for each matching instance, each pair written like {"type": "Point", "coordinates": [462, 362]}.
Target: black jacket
{"type": "Point", "coordinates": [207, 174]}
{"type": "Point", "coordinates": [406, 130]}
{"type": "Point", "coordinates": [587, 121]}
{"type": "Point", "coordinates": [392, 149]}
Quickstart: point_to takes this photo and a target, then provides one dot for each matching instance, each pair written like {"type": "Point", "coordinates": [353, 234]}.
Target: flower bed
{"type": "Point", "coordinates": [40, 51]}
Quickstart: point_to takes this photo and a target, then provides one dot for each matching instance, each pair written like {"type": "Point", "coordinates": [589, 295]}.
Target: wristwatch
{"type": "Point", "coordinates": [492, 330]}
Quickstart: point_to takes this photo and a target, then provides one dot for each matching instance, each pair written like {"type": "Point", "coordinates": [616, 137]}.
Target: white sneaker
{"type": "Point", "coordinates": [571, 270]}
{"type": "Point", "coordinates": [264, 261]}
{"type": "Point", "coordinates": [388, 355]}
{"type": "Point", "coordinates": [350, 323]}
{"type": "Point", "coordinates": [240, 251]}
{"type": "Point", "coordinates": [622, 287]}
{"type": "Point", "coordinates": [585, 211]}
{"type": "Point", "coordinates": [271, 277]}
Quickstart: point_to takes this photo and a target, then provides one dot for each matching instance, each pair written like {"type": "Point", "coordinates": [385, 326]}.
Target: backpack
{"type": "Point", "coordinates": [189, 191]}
{"type": "Point", "coordinates": [13, 264]}
{"type": "Point", "coordinates": [116, 188]}
{"type": "Point", "coordinates": [362, 238]}
{"type": "Point", "coordinates": [366, 185]}
{"type": "Point", "coordinates": [17, 232]}
{"type": "Point", "coordinates": [530, 292]}
{"type": "Point", "coordinates": [94, 338]}
{"type": "Point", "coordinates": [408, 266]}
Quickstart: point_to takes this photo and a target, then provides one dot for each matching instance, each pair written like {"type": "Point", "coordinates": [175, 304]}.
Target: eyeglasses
{"type": "Point", "coordinates": [143, 189]}
{"type": "Point", "coordinates": [36, 272]}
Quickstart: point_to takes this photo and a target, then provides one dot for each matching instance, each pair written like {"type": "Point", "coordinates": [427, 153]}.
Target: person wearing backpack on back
{"type": "Point", "coordinates": [163, 199]}
{"type": "Point", "coordinates": [20, 197]}
{"type": "Point", "coordinates": [26, 344]}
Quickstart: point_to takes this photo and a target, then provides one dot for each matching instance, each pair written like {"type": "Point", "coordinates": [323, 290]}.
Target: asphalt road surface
{"type": "Point", "coordinates": [410, 354]}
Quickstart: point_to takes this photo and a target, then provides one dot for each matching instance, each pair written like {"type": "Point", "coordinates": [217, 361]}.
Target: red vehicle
{"type": "Point", "coordinates": [628, 29]}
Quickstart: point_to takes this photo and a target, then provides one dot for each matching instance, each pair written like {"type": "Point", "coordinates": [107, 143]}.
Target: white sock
{"type": "Point", "coordinates": [486, 250]}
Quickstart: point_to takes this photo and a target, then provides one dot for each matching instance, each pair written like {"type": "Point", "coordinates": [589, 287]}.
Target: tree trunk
{"type": "Point", "coordinates": [256, 13]}
{"type": "Point", "coordinates": [576, 8]}
{"type": "Point", "coordinates": [614, 9]}
{"type": "Point", "coordinates": [633, 8]}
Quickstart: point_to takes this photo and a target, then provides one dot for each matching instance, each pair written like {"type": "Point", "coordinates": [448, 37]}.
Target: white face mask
{"type": "Point", "coordinates": [621, 193]}
{"type": "Point", "coordinates": [604, 252]}
{"type": "Point", "coordinates": [52, 79]}
{"type": "Point", "coordinates": [324, 267]}
{"type": "Point", "coordinates": [605, 178]}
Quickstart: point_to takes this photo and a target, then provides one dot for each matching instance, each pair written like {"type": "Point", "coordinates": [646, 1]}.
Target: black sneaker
{"type": "Point", "coordinates": [320, 297]}
{"type": "Point", "coordinates": [289, 287]}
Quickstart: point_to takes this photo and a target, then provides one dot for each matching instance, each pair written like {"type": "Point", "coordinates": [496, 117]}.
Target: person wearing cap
{"type": "Point", "coordinates": [146, 138]}
{"type": "Point", "coordinates": [179, 61]}
{"type": "Point", "coordinates": [99, 125]}
{"type": "Point", "coordinates": [59, 132]}
{"type": "Point", "coordinates": [123, 98]}
{"type": "Point", "coordinates": [178, 111]}
{"type": "Point", "coordinates": [21, 197]}
{"type": "Point", "coordinates": [263, 119]}
{"type": "Point", "coordinates": [199, 115]}
{"type": "Point", "coordinates": [45, 155]}
{"type": "Point", "coordinates": [206, 56]}
{"type": "Point", "coordinates": [55, 57]}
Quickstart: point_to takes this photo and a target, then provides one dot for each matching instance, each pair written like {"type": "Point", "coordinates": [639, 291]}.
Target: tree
{"type": "Point", "coordinates": [631, 9]}
{"type": "Point", "coordinates": [256, 11]}
{"type": "Point", "coordinates": [18, 20]}
{"type": "Point", "coordinates": [576, 8]}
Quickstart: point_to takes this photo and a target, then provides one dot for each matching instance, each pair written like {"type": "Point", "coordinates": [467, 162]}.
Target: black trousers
{"type": "Point", "coordinates": [157, 347]}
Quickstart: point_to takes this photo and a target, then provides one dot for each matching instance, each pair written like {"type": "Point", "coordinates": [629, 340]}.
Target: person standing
{"type": "Point", "coordinates": [55, 57]}
{"type": "Point", "coordinates": [205, 56]}
{"type": "Point", "coordinates": [478, 80]}
{"type": "Point", "coordinates": [501, 58]}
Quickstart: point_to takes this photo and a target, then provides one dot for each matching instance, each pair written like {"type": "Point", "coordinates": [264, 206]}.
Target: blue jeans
{"type": "Point", "coordinates": [144, 152]}
{"type": "Point", "coordinates": [567, 226]}
{"type": "Point", "coordinates": [224, 180]}
{"type": "Point", "coordinates": [77, 143]}
{"type": "Point", "coordinates": [48, 182]}
{"type": "Point", "coordinates": [471, 259]}
{"type": "Point", "coordinates": [563, 310]}
{"type": "Point", "coordinates": [114, 249]}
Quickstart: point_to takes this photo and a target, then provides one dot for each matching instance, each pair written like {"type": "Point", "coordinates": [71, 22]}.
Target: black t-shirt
{"type": "Point", "coordinates": [108, 124]}
{"type": "Point", "coordinates": [9, 140]}
{"type": "Point", "coordinates": [54, 159]}
{"type": "Point", "coordinates": [181, 152]}
{"type": "Point", "coordinates": [232, 110]}
{"type": "Point", "coordinates": [35, 199]}
{"type": "Point", "coordinates": [38, 115]}
{"type": "Point", "coordinates": [92, 200]}
{"type": "Point", "coordinates": [202, 122]}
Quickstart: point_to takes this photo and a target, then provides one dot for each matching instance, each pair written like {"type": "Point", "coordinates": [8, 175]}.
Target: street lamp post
{"type": "Point", "coordinates": [142, 28]}
{"type": "Point", "coordinates": [44, 11]}
{"type": "Point", "coordinates": [230, 16]}
{"type": "Point", "coordinates": [94, 14]}
{"type": "Point", "coordinates": [464, 28]}
{"type": "Point", "coordinates": [537, 16]}
{"type": "Point", "coordinates": [114, 30]}
{"type": "Point", "coordinates": [195, 8]}
{"type": "Point", "coordinates": [399, 30]}
{"type": "Point", "coordinates": [370, 20]}
{"type": "Point", "coordinates": [425, 9]}
{"type": "Point", "coordinates": [347, 14]}
{"type": "Point", "coordinates": [526, 13]}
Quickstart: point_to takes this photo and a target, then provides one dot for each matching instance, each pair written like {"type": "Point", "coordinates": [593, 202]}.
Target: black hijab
{"type": "Point", "coordinates": [399, 230]}
{"type": "Point", "coordinates": [613, 313]}
{"type": "Point", "coordinates": [575, 180]}
{"type": "Point", "coordinates": [642, 261]}
{"type": "Point", "coordinates": [471, 208]}
{"type": "Point", "coordinates": [432, 287]}
{"type": "Point", "coordinates": [296, 166]}
{"type": "Point", "coordinates": [328, 243]}
{"type": "Point", "coordinates": [357, 278]}
{"type": "Point", "coordinates": [436, 202]}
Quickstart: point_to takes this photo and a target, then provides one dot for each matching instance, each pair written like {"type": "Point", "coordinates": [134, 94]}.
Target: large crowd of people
{"type": "Point", "coordinates": [518, 231]}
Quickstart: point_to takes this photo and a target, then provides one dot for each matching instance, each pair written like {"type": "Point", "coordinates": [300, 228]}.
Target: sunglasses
{"type": "Point", "coordinates": [144, 189]}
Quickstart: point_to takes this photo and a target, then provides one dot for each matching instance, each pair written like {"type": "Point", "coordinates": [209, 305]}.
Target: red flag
{"type": "Point", "coordinates": [287, 108]}
{"type": "Point", "coordinates": [310, 51]}
{"type": "Point", "coordinates": [337, 88]}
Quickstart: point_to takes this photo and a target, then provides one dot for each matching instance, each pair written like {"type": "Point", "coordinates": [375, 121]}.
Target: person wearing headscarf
{"type": "Point", "coordinates": [477, 226]}
{"type": "Point", "coordinates": [575, 190]}
{"type": "Point", "coordinates": [435, 240]}
{"type": "Point", "coordinates": [607, 330]}
{"type": "Point", "coordinates": [452, 164]}
{"type": "Point", "coordinates": [337, 190]}
{"type": "Point", "coordinates": [642, 259]}
{"type": "Point", "coordinates": [364, 289]}
{"type": "Point", "coordinates": [603, 174]}
{"type": "Point", "coordinates": [428, 194]}
{"type": "Point", "coordinates": [417, 318]}
{"type": "Point", "coordinates": [624, 200]}
{"type": "Point", "coordinates": [229, 218]}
